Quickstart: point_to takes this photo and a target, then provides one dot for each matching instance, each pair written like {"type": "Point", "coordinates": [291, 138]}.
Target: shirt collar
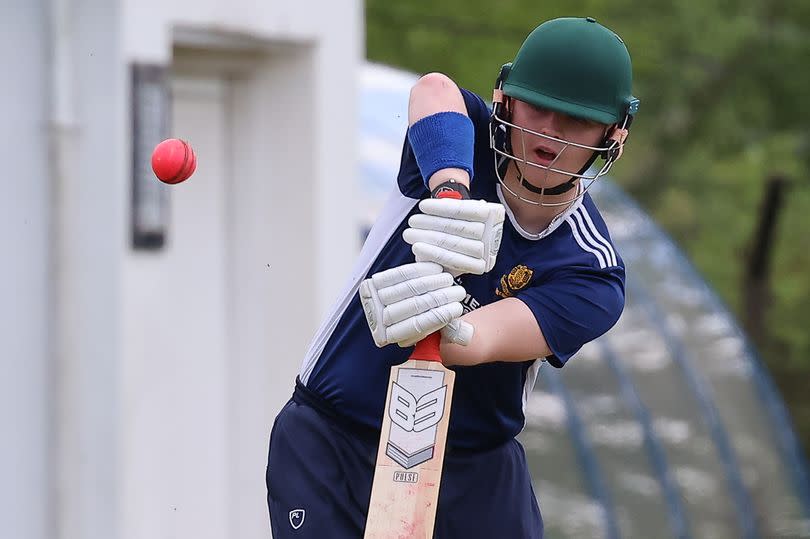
{"type": "Point", "coordinates": [555, 223]}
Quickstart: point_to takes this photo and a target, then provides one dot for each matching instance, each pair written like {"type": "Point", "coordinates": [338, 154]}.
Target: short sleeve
{"type": "Point", "coordinates": [575, 307]}
{"type": "Point", "coordinates": [477, 110]}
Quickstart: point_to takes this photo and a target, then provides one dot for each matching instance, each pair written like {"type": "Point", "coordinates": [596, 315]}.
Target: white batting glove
{"type": "Point", "coordinates": [458, 332]}
{"type": "Point", "coordinates": [409, 302]}
{"type": "Point", "coordinates": [462, 235]}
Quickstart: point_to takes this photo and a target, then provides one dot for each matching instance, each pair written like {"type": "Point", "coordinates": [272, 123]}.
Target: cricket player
{"type": "Point", "coordinates": [517, 269]}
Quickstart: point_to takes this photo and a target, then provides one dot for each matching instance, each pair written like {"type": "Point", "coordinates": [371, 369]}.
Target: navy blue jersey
{"type": "Point", "coordinates": [569, 275]}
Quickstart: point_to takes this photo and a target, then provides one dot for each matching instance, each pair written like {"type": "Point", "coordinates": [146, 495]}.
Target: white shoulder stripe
{"type": "Point", "coordinates": [598, 235]}
{"type": "Point", "coordinates": [391, 216]}
{"type": "Point", "coordinates": [588, 235]}
{"type": "Point", "coordinates": [600, 256]}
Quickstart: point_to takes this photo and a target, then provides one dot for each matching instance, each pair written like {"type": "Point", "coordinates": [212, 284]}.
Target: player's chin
{"type": "Point", "coordinates": [542, 179]}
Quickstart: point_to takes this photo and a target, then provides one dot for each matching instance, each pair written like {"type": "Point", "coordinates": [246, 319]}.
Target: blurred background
{"type": "Point", "coordinates": [149, 334]}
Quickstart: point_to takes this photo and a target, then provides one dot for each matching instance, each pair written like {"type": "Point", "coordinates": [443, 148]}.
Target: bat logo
{"type": "Point", "coordinates": [406, 477]}
{"type": "Point", "coordinates": [411, 414]}
{"type": "Point", "coordinates": [416, 407]}
{"type": "Point", "coordinates": [297, 517]}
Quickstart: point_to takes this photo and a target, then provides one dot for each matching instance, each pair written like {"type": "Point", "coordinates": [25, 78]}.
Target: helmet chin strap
{"type": "Point", "coordinates": [558, 189]}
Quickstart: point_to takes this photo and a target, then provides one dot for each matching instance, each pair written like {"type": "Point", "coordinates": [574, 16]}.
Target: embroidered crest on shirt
{"type": "Point", "coordinates": [517, 279]}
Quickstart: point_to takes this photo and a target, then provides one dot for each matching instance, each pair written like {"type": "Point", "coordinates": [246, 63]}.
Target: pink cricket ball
{"type": "Point", "coordinates": [173, 161]}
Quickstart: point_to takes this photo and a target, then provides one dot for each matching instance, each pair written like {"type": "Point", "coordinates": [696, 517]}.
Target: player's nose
{"type": "Point", "coordinates": [548, 122]}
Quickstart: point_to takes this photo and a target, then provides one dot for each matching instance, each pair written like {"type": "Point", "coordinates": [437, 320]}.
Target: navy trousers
{"type": "Point", "coordinates": [320, 470]}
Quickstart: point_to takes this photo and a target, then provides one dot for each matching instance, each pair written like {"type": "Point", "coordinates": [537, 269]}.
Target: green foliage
{"type": "Point", "coordinates": [723, 87]}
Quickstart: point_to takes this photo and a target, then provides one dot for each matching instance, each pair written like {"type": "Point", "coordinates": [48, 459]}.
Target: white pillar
{"type": "Point", "coordinates": [24, 272]}
{"type": "Point", "coordinates": [90, 160]}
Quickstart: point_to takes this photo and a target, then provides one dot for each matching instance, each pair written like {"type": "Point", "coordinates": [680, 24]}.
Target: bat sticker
{"type": "Point", "coordinates": [416, 407]}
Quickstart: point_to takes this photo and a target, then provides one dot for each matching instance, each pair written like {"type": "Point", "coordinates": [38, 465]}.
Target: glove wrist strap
{"type": "Point", "coordinates": [451, 189]}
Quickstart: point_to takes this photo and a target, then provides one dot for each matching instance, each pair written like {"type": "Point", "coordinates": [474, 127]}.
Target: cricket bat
{"type": "Point", "coordinates": [408, 473]}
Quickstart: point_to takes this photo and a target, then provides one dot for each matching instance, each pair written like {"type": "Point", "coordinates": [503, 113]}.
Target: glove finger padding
{"type": "Point", "coordinates": [414, 287]}
{"type": "Point", "coordinates": [412, 306]}
{"type": "Point", "coordinates": [464, 236]}
{"type": "Point", "coordinates": [373, 308]}
{"type": "Point", "coordinates": [454, 262]}
{"type": "Point", "coordinates": [465, 210]}
{"type": "Point", "coordinates": [458, 332]}
{"type": "Point", "coordinates": [473, 230]}
{"type": "Point", "coordinates": [424, 324]}
{"type": "Point", "coordinates": [444, 240]}
{"type": "Point", "coordinates": [414, 301]}
{"type": "Point", "coordinates": [403, 273]}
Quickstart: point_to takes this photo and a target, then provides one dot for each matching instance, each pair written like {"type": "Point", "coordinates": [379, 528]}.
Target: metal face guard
{"type": "Point", "coordinates": [611, 152]}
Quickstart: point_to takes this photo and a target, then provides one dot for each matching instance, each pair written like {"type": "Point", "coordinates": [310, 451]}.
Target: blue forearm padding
{"type": "Point", "coordinates": [442, 140]}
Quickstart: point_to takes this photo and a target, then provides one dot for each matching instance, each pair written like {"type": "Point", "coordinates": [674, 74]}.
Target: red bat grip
{"type": "Point", "coordinates": [428, 348]}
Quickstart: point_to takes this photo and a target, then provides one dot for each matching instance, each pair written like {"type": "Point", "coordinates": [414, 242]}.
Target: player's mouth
{"type": "Point", "coordinates": [545, 155]}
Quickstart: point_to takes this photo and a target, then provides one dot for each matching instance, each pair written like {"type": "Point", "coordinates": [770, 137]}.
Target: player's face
{"type": "Point", "coordinates": [547, 152]}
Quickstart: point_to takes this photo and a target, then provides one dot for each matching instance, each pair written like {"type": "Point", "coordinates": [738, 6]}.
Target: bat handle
{"type": "Point", "coordinates": [428, 348]}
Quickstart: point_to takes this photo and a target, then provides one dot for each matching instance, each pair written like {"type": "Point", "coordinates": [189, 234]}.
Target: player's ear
{"type": "Point", "coordinates": [618, 132]}
{"type": "Point", "coordinates": [615, 137]}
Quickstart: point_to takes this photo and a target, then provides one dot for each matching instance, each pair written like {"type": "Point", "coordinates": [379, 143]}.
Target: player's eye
{"type": "Point", "coordinates": [583, 121]}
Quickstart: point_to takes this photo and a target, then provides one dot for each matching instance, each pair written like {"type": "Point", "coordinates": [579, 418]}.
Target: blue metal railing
{"type": "Point", "coordinates": [744, 508]}
{"type": "Point", "coordinates": [786, 441]}
{"type": "Point", "coordinates": [585, 453]}
{"type": "Point", "coordinates": [655, 451]}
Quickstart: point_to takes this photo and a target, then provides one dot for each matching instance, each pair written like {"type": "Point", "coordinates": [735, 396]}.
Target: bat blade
{"type": "Point", "coordinates": [407, 477]}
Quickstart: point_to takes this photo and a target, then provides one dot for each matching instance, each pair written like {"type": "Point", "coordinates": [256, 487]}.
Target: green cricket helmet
{"type": "Point", "coordinates": [577, 67]}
